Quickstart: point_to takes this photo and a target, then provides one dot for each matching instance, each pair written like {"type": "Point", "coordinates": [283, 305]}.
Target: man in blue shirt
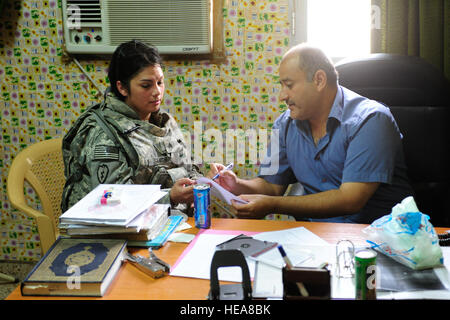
{"type": "Point", "coordinates": [344, 149]}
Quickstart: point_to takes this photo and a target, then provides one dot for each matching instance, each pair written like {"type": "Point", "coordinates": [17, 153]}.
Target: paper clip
{"type": "Point", "coordinates": [345, 257]}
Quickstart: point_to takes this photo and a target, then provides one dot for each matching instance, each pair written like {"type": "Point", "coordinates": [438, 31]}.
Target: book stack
{"type": "Point", "coordinates": [114, 211]}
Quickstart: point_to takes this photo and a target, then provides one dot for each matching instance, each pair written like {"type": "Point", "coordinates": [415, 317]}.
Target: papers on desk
{"type": "Point", "coordinates": [303, 248]}
{"type": "Point", "coordinates": [134, 199]}
{"type": "Point", "coordinates": [195, 262]}
{"type": "Point", "coordinates": [300, 246]}
{"type": "Point", "coordinates": [134, 215]}
{"type": "Point", "coordinates": [268, 282]}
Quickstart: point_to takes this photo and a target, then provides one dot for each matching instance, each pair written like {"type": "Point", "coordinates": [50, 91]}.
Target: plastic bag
{"type": "Point", "coordinates": [406, 236]}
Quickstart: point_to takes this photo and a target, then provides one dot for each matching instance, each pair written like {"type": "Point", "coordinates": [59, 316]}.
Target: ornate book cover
{"type": "Point", "coordinates": [76, 267]}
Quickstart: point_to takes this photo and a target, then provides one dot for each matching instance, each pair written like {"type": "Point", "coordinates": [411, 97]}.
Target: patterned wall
{"type": "Point", "coordinates": [41, 94]}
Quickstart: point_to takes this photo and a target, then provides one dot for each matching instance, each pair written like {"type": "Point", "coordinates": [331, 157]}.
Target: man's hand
{"type": "Point", "coordinates": [227, 178]}
{"type": "Point", "coordinates": [257, 207]}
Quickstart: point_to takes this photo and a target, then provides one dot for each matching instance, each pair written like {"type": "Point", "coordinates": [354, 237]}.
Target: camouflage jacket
{"type": "Point", "coordinates": [108, 143]}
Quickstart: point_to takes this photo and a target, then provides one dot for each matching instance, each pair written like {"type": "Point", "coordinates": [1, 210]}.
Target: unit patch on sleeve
{"type": "Point", "coordinates": [102, 173]}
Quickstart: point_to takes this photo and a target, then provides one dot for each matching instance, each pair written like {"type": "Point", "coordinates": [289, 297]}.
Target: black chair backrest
{"type": "Point", "coordinates": [418, 96]}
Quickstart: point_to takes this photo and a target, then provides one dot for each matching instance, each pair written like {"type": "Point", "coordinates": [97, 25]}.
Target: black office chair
{"type": "Point", "coordinates": [418, 96]}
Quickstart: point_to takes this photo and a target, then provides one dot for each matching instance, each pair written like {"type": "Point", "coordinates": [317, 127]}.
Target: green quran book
{"type": "Point", "coordinates": [76, 267]}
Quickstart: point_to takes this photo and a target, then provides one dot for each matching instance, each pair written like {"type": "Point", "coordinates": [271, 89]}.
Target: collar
{"type": "Point", "coordinates": [335, 112]}
{"type": "Point", "coordinates": [121, 107]}
{"type": "Point", "coordinates": [130, 121]}
{"type": "Point", "coordinates": [338, 105]}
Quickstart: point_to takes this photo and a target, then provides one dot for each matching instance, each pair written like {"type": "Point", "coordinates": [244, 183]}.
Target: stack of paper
{"type": "Point", "coordinates": [134, 215]}
{"type": "Point", "coordinates": [303, 247]}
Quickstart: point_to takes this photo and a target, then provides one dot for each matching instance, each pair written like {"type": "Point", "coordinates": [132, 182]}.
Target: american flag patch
{"type": "Point", "coordinates": [102, 152]}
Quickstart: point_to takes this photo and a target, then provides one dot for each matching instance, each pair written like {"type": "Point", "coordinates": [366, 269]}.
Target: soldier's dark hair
{"type": "Point", "coordinates": [128, 60]}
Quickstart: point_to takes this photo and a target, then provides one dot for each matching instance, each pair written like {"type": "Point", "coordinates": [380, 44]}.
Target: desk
{"type": "Point", "coordinates": [130, 283]}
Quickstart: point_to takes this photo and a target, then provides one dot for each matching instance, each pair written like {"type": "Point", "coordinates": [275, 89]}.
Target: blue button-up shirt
{"type": "Point", "coordinates": [362, 144]}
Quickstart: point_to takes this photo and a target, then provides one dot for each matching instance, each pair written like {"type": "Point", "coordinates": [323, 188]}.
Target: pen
{"type": "Point", "coordinates": [285, 257]}
{"type": "Point", "coordinates": [289, 266]}
{"type": "Point", "coordinates": [228, 167]}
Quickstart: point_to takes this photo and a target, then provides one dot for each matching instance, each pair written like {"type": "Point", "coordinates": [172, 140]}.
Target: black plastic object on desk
{"type": "Point", "coordinates": [238, 291]}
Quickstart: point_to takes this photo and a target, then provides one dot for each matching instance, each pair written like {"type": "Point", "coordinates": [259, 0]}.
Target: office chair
{"type": "Point", "coordinates": [41, 165]}
{"type": "Point", "coordinates": [418, 96]}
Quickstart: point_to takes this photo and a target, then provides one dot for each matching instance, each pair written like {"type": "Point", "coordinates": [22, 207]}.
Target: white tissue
{"type": "Point", "coordinates": [406, 236]}
{"type": "Point", "coordinates": [407, 205]}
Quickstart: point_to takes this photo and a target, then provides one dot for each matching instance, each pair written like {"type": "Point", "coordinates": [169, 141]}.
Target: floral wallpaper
{"type": "Point", "coordinates": [41, 93]}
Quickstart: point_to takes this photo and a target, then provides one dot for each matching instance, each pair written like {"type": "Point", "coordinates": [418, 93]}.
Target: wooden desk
{"type": "Point", "coordinates": [130, 283]}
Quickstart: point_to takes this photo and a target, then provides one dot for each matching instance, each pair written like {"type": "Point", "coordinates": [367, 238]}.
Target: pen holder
{"type": "Point", "coordinates": [306, 283]}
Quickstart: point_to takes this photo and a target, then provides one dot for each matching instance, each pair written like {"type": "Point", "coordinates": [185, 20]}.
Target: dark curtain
{"type": "Point", "coordinates": [413, 27]}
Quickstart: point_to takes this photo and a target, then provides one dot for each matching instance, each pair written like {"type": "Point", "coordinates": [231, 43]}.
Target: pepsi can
{"type": "Point", "coordinates": [202, 211]}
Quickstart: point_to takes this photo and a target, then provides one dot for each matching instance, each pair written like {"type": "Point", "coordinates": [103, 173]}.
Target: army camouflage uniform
{"type": "Point", "coordinates": [110, 144]}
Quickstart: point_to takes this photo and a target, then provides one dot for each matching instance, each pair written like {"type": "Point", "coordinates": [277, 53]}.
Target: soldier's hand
{"type": "Point", "coordinates": [182, 191]}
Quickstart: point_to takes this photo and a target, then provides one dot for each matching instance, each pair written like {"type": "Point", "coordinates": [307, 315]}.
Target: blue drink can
{"type": "Point", "coordinates": [202, 211]}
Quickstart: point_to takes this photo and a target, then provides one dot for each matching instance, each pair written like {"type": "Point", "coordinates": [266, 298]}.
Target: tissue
{"type": "Point", "coordinates": [407, 236]}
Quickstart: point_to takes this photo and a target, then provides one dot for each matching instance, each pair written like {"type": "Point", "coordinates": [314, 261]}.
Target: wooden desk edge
{"type": "Point", "coordinates": [131, 283]}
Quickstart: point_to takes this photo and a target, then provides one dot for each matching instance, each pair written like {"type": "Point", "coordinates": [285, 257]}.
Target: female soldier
{"type": "Point", "coordinates": [127, 138]}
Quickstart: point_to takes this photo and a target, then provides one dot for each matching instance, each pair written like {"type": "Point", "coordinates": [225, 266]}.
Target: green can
{"type": "Point", "coordinates": [365, 275]}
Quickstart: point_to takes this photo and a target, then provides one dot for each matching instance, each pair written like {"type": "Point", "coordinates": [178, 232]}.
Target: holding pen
{"type": "Point", "coordinates": [228, 167]}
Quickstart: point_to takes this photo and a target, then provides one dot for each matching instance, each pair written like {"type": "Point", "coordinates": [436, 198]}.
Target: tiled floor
{"type": "Point", "coordinates": [17, 270]}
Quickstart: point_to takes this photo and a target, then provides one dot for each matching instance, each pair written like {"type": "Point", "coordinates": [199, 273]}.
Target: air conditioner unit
{"type": "Point", "coordinates": [173, 26]}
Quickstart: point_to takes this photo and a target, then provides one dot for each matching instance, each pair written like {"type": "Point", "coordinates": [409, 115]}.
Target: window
{"type": "Point", "coordinates": [341, 28]}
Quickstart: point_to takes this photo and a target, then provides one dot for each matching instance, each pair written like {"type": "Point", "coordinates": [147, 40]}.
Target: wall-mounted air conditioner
{"type": "Point", "coordinates": [174, 26]}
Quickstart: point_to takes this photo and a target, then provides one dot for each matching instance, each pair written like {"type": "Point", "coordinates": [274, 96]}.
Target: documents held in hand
{"type": "Point", "coordinates": [220, 192]}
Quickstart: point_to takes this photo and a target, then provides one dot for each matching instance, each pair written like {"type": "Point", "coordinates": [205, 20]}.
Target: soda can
{"type": "Point", "coordinates": [365, 275]}
{"type": "Point", "coordinates": [202, 210]}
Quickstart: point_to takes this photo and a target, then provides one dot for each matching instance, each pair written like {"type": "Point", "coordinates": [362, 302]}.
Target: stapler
{"type": "Point", "coordinates": [153, 266]}
{"type": "Point", "coordinates": [153, 257]}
